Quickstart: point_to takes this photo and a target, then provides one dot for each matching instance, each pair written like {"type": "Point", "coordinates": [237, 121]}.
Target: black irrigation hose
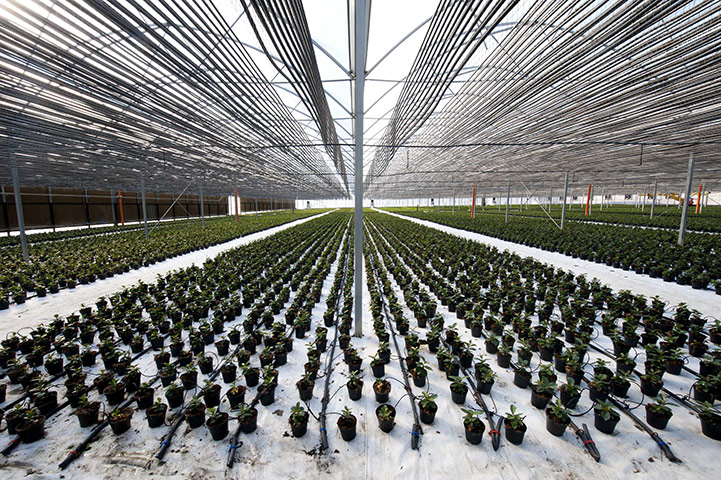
{"type": "Point", "coordinates": [642, 425]}
{"type": "Point", "coordinates": [329, 368]}
{"type": "Point", "coordinates": [230, 460]}
{"type": "Point", "coordinates": [75, 453]}
{"type": "Point", "coordinates": [16, 441]}
{"type": "Point", "coordinates": [583, 433]}
{"type": "Point", "coordinates": [417, 429]}
{"type": "Point", "coordinates": [495, 429]}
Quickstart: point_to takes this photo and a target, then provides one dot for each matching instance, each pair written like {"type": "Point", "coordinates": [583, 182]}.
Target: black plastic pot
{"type": "Point", "coordinates": [504, 361]}
{"type": "Point", "coordinates": [267, 396]}
{"type": "Point", "coordinates": [650, 389]}
{"type": "Point", "coordinates": [175, 399]}
{"type": "Point", "coordinates": [347, 429]}
{"type": "Point", "coordinates": [33, 431]}
{"type": "Point", "coordinates": [711, 426]}
{"type": "Point", "coordinates": [219, 428]}
{"type": "Point", "coordinates": [605, 426]}
{"type": "Point", "coordinates": [190, 380]}
{"type": "Point", "coordinates": [145, 400]}
{"type": "Point", "coordinates": [355, 393]}
{"type": "Point", "coordinates": [379, 370]}
{"type": "Point", "coordinates": [553, 427]}
{"type": "Point", "coordinates": [386, 425]}
{"type": "Point", "coordinates": [381, 397]}
{"type": "Point", "coordinates": [252, 377]}
{"type": "Point", "coordinates": [195, 418]}
{"type": "Point", "coordinates": [250, 424]}
{"type": "Point", "coordinates": [156, 417]}
{"type": "Point", "coordinates": [539, 401]}
{"type": "Point", "coordinates": [459, 397]}
{"type": "Point", "coordinates": [655, 420]}
{"type": "Point", "coordinates": [474, 437]}
{"type": "Point", "coordinates": [88, 416]}
{"type": "Point", "coordinates": [229, 372]}
{"type": "Point", "coordinates": [121, 424]}
{"type": "Point", "coordinates": [211, 396]}
{"type": "Point", "coordinates": [427, 416]}
{"type": "Point", "coordinates": [515, 436]}
{"type": "Point", "coordinates": [521, 379]}
{"type": "Point", "coordinates": [300, 429]}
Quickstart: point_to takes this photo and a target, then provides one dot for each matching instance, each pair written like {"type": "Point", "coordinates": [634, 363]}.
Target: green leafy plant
{"type": "Point", "coordinates": [515, 419]}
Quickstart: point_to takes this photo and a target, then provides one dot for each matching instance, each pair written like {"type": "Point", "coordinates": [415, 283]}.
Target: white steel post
{"type": "Point", "coordinates": [565, 195]}
{"type": "Point", "coordinates": [687, 195]}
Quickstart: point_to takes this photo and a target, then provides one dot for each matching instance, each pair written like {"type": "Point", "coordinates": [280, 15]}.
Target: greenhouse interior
{"type": "Point", "coordinates": [360, 239]}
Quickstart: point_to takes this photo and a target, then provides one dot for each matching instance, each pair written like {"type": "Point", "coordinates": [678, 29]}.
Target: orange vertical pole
{"type": "Point", "coordinates": [473, 205]}
{"type": "Point", "coordinates": [120, 207]}
{"type": "Point", "coordinates": [236, 205]}
{"type": "Point", "coordinates": [588, 198]}
{"type": "Point", "coordinates": [698, 201]}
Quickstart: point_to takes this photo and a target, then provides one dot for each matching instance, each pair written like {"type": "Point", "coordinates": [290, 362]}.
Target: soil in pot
{"type": "Point", "coordinates": [195, 416]}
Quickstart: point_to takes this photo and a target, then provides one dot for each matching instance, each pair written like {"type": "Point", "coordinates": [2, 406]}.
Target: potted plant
{"type": "Point", "coordinates": [144, 396]}
{"type": "Point", "coordinates": [620, 384]}
{"type": "Point", "coordinates": [515, 426]}
{"type": "Point", "coordinates": [229, 372]}
{"type": "Point", "coordinates": [541, 392]}
{"type": "Point", "coordinates": [382, 389]}
{"type": "Point", "coordinates": [248, 418]}
{"type": "Point", "coordinates": [377, 366]}
{"type": "Point", "coordinates": [114, 392]}
{"type": "Point", "coordinates": [420, 373]}
{"type": "Point", "coordinates": [119, 420]}
{"type": "Point", "coordinates": [557, 418]}
{"type": "Point", "coordinates": [217, 423]}
{"type": "Point", "coordinates": [651, 383]}
{"type": "Point", "coordinates": [386, 415]}
{"type": "Point", "coordinates": [473, 426]}
{"type": "Point", "coordinates": [305, 387]}
{"type": "Point", "coordinates": [189, 378]}
{"type": "Point", "coordinates": [710, 421]}
{"type": "Point", "coordinates": [458, 390]}
{"type": "Point", "coordinates": [355, 385]}
{"type": "Point", "coordinates": [211, 394]}
{"type": "Point", "coordinates": [605, 417]}
{"type": "Point", "coordinates": [156, 414]}
{"type": "Point", "coordinates": [251, 374]}
{"type": "Point", "coordinates": [522, 374]}
{"type": "Point", "coordinates": [298, 420]}
{"type": "Point", "coordinates": [174, 395]}
{"type": "Point", "coordinates": [428, 407]}
{"type": "Point", "coordinates": [32, 426]}
{"type": "Point", "coordinates": [658, 412]}
{"type": "Point", "coordinates": [485, 378]}
{"type": "Point", "coordinates": [195, 412]}
{"type": "Point", "coordinates": [347, 424]}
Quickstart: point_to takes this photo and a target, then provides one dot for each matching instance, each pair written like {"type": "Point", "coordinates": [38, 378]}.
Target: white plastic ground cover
{"type": "Point", "coordinates": [705, 301]}
{"type": "Point", "coordinates": [41, 310]}
{"type": "Point", "coordinates": [271, 452]}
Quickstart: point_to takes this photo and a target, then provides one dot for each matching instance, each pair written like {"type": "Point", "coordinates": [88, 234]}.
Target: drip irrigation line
{"type": "Point", "coordinates": [585, 435]}
{"type": "Point", "coordinates": [78, 450]}
{"type": "Point", "coordinates": [642, 425]}
{"type": "Point", "coordinates": [417, 429]}
{"type": "Point", "coordinates": [329, 368]}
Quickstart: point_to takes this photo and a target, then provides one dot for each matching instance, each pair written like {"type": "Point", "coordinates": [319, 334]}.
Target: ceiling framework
{"type": "Point", "coordinates": [102, 93]}
{"type": "Point", "coordinates": [618, 93]}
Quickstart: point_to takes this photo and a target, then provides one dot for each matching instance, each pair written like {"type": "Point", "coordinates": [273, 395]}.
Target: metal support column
{"type": "Point", "coordinates": [112, 207]}
{"type": "Point", "coordinates": [51, 207]}
{"type": "Point", "coordinates": [202, 206]}
{"type": "Point", "coordinates": [473, 203]}
{"type": "Point", "coordinates": [454, 202]}
{"type": "Point", "coordinates": [565, 195]}
{"type": "Point", "coordinates": [237, 218]}
{"type": "Point", "coordinates": [653, 200]}
{"type": "Point", "coordinates": [508, 198]}
{"type": "Point", "coordinates": [359, 68]}
{"type": "Point", "coordinates": [5, 209]}
{"type": "Point", "coordinates": [120, 208]}
{"type": "Point", "coordinates": [603, 196]}
{"type": "Point", "coordinates": [87, 206]}
{"type": "Point", "coordinates": [19, 209]}
{"type": "Point", "coordinates": [698, 199]}
{"type": "Point", "coordinates": [256, 206]}
{"type": "Point", "coordinates": [687, 195]}
{"type": "Point", "coordinates": [145, 210]}
{"type": "Point", "coordinates": [643, 205]}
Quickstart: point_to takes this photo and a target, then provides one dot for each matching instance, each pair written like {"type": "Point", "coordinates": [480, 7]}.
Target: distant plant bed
{"type": "Point", "coordinates": [70, 262]}
{"type": "Point", "coordinates": [654, 252]}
